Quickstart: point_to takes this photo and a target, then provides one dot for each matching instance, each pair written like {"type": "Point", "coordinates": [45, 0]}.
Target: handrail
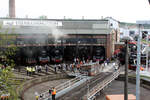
{"type": "Point", "coordinates": [99, 87]}
{"type": "Point", "coordinates": [60, 87]}
{"type": "Point", "coordinates": [46, 95]}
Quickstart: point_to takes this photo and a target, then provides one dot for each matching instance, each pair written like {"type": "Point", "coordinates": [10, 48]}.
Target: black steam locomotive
{"type": "Point", "coordinates": [56, 55]}
{"type": "Point", "coordinates": [43, 57]}
{"type": "Point", "coordinates": [32, 56]}
{"type": "Point", "coordinates": [99, 54]}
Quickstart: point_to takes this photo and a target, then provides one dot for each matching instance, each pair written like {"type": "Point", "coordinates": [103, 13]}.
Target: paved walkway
{"type": "Point", "coordinates": [22, 76]}
{"type": "Point", "coordinates": [30, 93]}
{"type": "Point", "coordinates": [117, 87]}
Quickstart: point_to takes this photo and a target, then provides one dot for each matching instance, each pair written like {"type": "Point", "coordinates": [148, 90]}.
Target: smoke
{"type": "Point", "coordinates": [32, 33]}
{"type": "Point", "coordinates": [38, 31]}
{"type": "Point", "coordinates": [56, 33]}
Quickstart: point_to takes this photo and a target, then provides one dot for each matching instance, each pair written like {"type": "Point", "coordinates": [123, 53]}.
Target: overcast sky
{"type": "Point", "coordinates": [121, 10]}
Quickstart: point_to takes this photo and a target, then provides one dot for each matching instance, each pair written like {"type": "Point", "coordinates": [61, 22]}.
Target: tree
{"type": "Point", "coordinates": [7, 55]}
{"type": "Point", "coordinates": [43, 17]}
{"type": "Point", "coordinates": [6, 81]}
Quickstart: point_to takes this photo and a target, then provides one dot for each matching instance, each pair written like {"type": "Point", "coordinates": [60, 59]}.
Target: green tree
{"type": "Point", "coordinates": [7, 55]}
{"type": "Point", "coordinates": [43, 17]}
{"type": "Point", "coordinates": [6, 82]}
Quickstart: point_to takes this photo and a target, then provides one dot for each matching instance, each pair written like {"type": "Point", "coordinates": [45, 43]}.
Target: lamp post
{"type": "Point", "coordinates": [126, 40]}
{"type": "Point", "coordinates": [146, 22]}
{"type": "Point", "coordinates": [138, 66]}
{"type": "Point", "coordinates": [147, 54]}
{"type": "Point", "coordinates": [126, 72]}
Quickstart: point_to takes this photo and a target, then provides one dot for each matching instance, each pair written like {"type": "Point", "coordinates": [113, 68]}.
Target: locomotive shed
{"type": "Point", "coordinates": [83, 38]}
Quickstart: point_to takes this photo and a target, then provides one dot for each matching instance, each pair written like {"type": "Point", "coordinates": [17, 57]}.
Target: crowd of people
{"type": "Point", "coordinates": [31, 70]}
{"type": "Point", "coordinates": [73, 67]}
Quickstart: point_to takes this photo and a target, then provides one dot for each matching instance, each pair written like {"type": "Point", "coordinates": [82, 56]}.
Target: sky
{"type": "Point", "coordinates": [121, 10]}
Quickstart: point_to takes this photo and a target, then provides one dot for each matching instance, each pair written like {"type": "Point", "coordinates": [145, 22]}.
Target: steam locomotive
{"type": "Point", "coordinates": [27, 56]}
{"type": "Point", "coordinates": [56, 55]}
{"type": "Point", "coordinates": [32, 56]}
{"type": "Point", "coordinates": [132, 55]}
{"type": "Point", "coordinates": [43, 57]}
{"type": "Point", "coordinates": [121, 53]}
{"type": "Point", "coordinates": [99, 54]}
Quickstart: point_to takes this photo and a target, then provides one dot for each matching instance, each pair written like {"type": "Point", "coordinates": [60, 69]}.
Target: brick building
{"type": "Point", "coordinates": [77, 33]}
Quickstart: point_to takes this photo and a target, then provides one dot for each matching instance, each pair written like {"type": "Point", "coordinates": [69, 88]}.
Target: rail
{"type": "Point", "coordinates": [92, 92]}
{"type": "Point", "coordinates": [45, 95]}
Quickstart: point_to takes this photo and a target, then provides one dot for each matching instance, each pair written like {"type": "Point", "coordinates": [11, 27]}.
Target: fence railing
{"type": "Point", "coordinates": [92, 92]}
{"type": "Point", "coordinates": [45, 95]}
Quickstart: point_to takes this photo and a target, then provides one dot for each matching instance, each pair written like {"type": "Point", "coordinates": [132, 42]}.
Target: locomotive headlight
{"type": "Point", "coordinates": [134, 47]}
{"type": "Point", "coordinates": [48, 58]}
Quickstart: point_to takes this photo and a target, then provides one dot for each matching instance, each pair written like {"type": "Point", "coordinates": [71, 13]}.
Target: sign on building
{"type": "Point", "coordinates": [32, 23]}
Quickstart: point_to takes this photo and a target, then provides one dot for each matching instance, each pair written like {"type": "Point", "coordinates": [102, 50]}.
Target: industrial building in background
{"type": "Point", "coordinates": [83, 38]}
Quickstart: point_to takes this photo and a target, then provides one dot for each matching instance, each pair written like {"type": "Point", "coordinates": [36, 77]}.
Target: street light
{"type": "Point", "coordinates": [139, 59]}
{"type": "Point", "coordinates": [126, 39]}
{"type": "Point", "coordinates": [138, 65]}
{"type": "Point", "coordinates": [147, 51]}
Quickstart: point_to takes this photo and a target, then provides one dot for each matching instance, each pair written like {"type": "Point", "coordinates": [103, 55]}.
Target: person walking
{"type": "Point", "coordinates": [33, 70]}
{"type": "Point", "coordinates": [53, 93]}
{"type": "Point", "coordinates": [46, 68]}
{"type": "Point", "coordinates": [36, 96]}
{"type": "Point", "coordinates": [27, 69]}
{"type": "Point", "coordinates": [55, 68]}
{"type": "Point", "coordinates": [40, 68]}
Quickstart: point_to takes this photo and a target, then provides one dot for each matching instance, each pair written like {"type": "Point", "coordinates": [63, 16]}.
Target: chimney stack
{"type": "Point", "coordinates": [12, 9]}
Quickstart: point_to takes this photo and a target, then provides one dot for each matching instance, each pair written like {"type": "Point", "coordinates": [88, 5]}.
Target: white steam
{"type": "Point", "coordinates": [56, 33]}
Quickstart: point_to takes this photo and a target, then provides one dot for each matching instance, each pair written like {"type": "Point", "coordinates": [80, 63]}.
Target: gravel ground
{"type": "Point", "coordinates": [117, 87]}
{"type": "Point", "coordinates": [29, 94]}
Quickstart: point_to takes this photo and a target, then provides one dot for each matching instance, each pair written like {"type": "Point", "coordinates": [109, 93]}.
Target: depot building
{"type": "Point", "coordinates": [79, 37]}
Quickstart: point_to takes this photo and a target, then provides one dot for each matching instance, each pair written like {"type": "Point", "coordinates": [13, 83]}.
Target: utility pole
{"type": "Point", "coordinates": [126, 73]}
{"type": "Point", "coordinates": [138, 65]}
{"type": "Point", "coordinates": [147, 53]}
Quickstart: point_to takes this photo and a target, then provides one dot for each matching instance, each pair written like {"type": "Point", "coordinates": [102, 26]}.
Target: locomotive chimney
{"type": "Point", "coordinates": [12, 9]}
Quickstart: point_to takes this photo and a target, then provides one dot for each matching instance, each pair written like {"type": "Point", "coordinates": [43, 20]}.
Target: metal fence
{"type": "Point", "coordinates": [99, 87]}
{"type": "Point", "coordinates": [45, 95]}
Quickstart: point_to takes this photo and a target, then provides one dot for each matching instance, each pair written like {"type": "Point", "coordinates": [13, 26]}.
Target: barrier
{"type": "Point", "coordinates": [26, 85]}
{"type": "Point", "coordinates": [45, 95]}
{"type": "Point", "coordinates": [99, 87]}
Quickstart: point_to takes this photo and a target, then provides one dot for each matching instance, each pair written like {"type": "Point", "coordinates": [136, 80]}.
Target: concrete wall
{"type": "Point", "coordinates": [26, 85]}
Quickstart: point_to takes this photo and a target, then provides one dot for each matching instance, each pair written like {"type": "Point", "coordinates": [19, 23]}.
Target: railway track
{"type": "Point", "coordinates": [81, 90]}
